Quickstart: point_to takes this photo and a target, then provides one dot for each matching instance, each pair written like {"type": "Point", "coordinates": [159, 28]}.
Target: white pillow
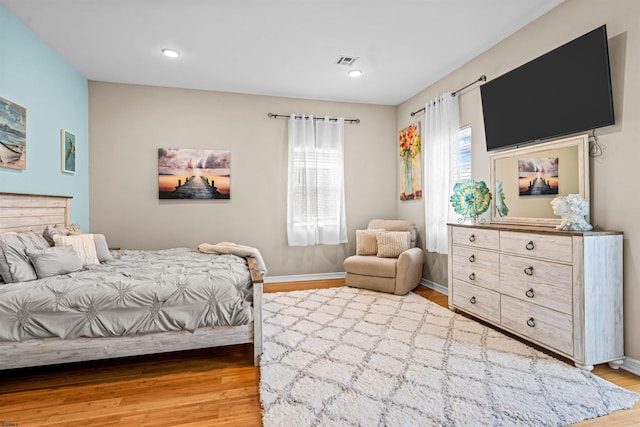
{"type": "Point", "coordinates": [392, 243]}
{"type": "Point", "coordinates": [83, 245]}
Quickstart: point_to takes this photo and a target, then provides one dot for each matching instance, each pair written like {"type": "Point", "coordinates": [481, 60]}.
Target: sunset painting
{"type": "Point", "coordinates": [538, 176]}
{"type": "Point", "coordinates": [193, 174]}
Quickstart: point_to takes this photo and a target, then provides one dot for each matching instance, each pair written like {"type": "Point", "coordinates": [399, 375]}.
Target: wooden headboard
{"type": "Point", "coordinates": [33, 212]}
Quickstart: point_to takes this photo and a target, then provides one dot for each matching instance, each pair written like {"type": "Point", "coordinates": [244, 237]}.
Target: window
{"type": "Point", "coordinates": [461, 156]}
{"type": "Point", "coordinates": [316, 208]}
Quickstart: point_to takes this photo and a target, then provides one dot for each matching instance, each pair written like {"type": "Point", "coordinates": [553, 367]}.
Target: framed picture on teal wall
{"type": "Point", "coordinates": [68, 151]}
{"type": "Point", "coordinates": [13, 135]}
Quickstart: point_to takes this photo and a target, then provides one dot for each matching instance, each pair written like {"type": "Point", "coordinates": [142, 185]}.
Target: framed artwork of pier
{"type": "Point", "coordinates": [194, 173]}
{"type": "Point", "coordinates": [13, 135]}
{"type": "Point", "coordinates": [68, 151]}
{"type": "Point", "coordinates": [538, 176]}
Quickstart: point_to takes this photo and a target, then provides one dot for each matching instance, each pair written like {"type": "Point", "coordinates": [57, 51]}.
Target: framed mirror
{"type": "Point", "coordinates": [524, 180]}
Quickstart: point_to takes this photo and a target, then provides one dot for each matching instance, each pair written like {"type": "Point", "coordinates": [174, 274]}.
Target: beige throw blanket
{"type": "Point", "coordinates": [234, 249]}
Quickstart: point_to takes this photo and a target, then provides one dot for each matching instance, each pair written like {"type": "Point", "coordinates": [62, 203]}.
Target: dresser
{"type": "Point", "coordinates": [561, 290]}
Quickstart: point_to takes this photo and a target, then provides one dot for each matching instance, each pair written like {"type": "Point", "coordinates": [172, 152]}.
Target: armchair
{"type": "Point", "coordinates": [387, 259]}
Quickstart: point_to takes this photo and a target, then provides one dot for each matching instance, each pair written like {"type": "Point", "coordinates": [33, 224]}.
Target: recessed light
{"type": "Point", "coordinates": [171, 53]}
{"type": "Point", "coordinates": [354, 73]}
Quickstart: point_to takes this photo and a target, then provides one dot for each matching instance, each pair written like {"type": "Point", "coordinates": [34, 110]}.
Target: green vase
{"type": "Point", "coordinates": [408, 176]}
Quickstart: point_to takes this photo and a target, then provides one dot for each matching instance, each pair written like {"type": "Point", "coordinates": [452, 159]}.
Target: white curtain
{"type": "Point", "coordinates": [442, 124]}
{"type": "Point", "coordinates": [315, 199]}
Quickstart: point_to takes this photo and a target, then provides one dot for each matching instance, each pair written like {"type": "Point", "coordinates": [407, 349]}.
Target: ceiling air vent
{"type": "Point", "coordinates": [346, 60]}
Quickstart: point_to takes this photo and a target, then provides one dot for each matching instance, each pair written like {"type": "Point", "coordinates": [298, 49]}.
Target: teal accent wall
{"type": "Point", "coordinates": [56, 97]}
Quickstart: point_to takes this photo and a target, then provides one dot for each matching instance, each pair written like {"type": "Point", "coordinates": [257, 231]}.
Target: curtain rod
{"type": "Point", "coordinates": [283, 116]}
{"type": "Point", "coordinates": [482, 78]}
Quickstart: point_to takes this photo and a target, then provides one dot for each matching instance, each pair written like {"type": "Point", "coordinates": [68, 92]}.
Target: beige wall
{"type": "Point", "coordinates": [129, 123]}
{"type": "Point", "coordinates": [614, 200]}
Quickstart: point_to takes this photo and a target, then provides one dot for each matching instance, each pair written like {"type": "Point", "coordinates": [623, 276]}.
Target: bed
{"type": "Point", "coordinates": [27, 343]}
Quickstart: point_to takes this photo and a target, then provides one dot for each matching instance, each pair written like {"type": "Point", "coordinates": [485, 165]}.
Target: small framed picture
{"type": "Point", "coordinates": [68, 151]}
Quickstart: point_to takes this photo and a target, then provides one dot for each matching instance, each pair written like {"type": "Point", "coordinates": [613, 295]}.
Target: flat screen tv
{"type": "Point", "coordinates": [564, 91]}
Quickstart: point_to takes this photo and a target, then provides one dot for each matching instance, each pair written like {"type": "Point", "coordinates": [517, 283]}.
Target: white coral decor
{"type": "Point", "coordinates": [572, 209]}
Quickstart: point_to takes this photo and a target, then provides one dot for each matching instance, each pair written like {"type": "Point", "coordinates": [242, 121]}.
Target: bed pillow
{"type": "Point", "coordinates": [51, 231]}
{"type": "Point", "coordinates": [83, 245]}
{"type": "Point", "coordinates": [54, 260]}
{"type": "Point", "coordinates": [102, 248]}
{"type": "Point", "coordinates": [4, 266]}
{"type": "Point", "coordinates": [15, 265]}
{"type": "Point", "coordinates": [392, 243]}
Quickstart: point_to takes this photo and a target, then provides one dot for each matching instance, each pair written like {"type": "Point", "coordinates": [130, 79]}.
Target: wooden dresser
{"type": "Point", "coordinates": [561, 290]}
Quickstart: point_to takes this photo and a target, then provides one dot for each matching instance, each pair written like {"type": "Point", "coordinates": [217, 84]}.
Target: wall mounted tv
{"type": "Point", "coordinates": [564, 91]}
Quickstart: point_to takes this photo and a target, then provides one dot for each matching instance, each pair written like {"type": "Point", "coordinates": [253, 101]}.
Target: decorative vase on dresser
{"type": "Point", "coordinates": [560, 290]}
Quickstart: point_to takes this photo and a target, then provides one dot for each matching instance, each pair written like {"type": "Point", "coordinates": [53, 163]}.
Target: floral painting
{"type": "Point", "coordinates": [13, 135]}
{"type": "Point", "coordinates": [193, 174]}
{"type": "Point", "coordinates": [410, 163]}
{"type": "Point", "coordinates": [538, 176]}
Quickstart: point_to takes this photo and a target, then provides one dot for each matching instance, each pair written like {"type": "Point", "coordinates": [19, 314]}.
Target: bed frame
{"type": "Point", "coordinates": [32, 212]}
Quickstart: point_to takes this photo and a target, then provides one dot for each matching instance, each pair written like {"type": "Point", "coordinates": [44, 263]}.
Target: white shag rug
{"type": "Point", "coordinates": [352, 357]}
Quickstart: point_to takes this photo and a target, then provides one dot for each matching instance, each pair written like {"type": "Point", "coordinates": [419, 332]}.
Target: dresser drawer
{"type": "Point", "coordinates": [545, 246]}
{"type": "Point", "coordinates": [476, 300]}
{"type": "Point", "coordinates": [476, 266]}
{"type": "Point", "coordinates": [540, 324]}
{"type": "Point", "coordinates": [553, 297]}
{"type": "Point", "coordinates": [476, 237]}
{"type": "Point", "coordinates": [515, 269]}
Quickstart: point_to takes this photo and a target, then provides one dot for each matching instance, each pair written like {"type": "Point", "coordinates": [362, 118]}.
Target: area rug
{"type": "Point", "coordinates": [351, 357]}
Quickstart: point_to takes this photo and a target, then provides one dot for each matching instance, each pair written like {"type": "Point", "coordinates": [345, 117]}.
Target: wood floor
{"type": "Point", "coordinates": [216, 387]}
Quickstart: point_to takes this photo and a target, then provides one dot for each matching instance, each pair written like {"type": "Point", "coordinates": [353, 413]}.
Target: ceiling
{"type": "Point", "coordinates": [276, 47]}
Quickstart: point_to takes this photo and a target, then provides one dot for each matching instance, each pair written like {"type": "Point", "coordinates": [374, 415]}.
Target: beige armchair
{"type": "Point", "coordinates": [375, 267]}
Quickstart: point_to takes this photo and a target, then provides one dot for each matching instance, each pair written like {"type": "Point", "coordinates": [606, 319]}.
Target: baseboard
{"type": "Point", "coordinates": [631, 365]}
{"type": "Point", "coordinates": [435, 286]}
{"type": "Point", "coordinates": [304, 277]}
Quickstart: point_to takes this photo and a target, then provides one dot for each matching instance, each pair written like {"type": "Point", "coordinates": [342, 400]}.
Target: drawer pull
{"type": "Point", "coordinates": [472, 276]}
{"type": "Point", "coordinates": [530, 293]}
{"type": "Point", "coordinates": [472, 300]}
{"type": "Point", "coordinates": [530, 246]}
{"type": "Point", "coordinates": [531, 322]}
{"type": "Point", "coordinates": [472, 238]}
{"type": "Point", "coordinates": [528, 271]}
{"type": "Point", "coordinates": [472, 258]}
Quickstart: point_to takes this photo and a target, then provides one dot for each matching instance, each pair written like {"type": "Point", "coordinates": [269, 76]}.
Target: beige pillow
{"type": "Point", "coordinates": [83, 245]}
{"type": "Point", "coordinates": [366, 243]}
{"type": "Point", "coordinates": [392, 243]}
{"type": "Point", "coordinates": [51, 231]}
